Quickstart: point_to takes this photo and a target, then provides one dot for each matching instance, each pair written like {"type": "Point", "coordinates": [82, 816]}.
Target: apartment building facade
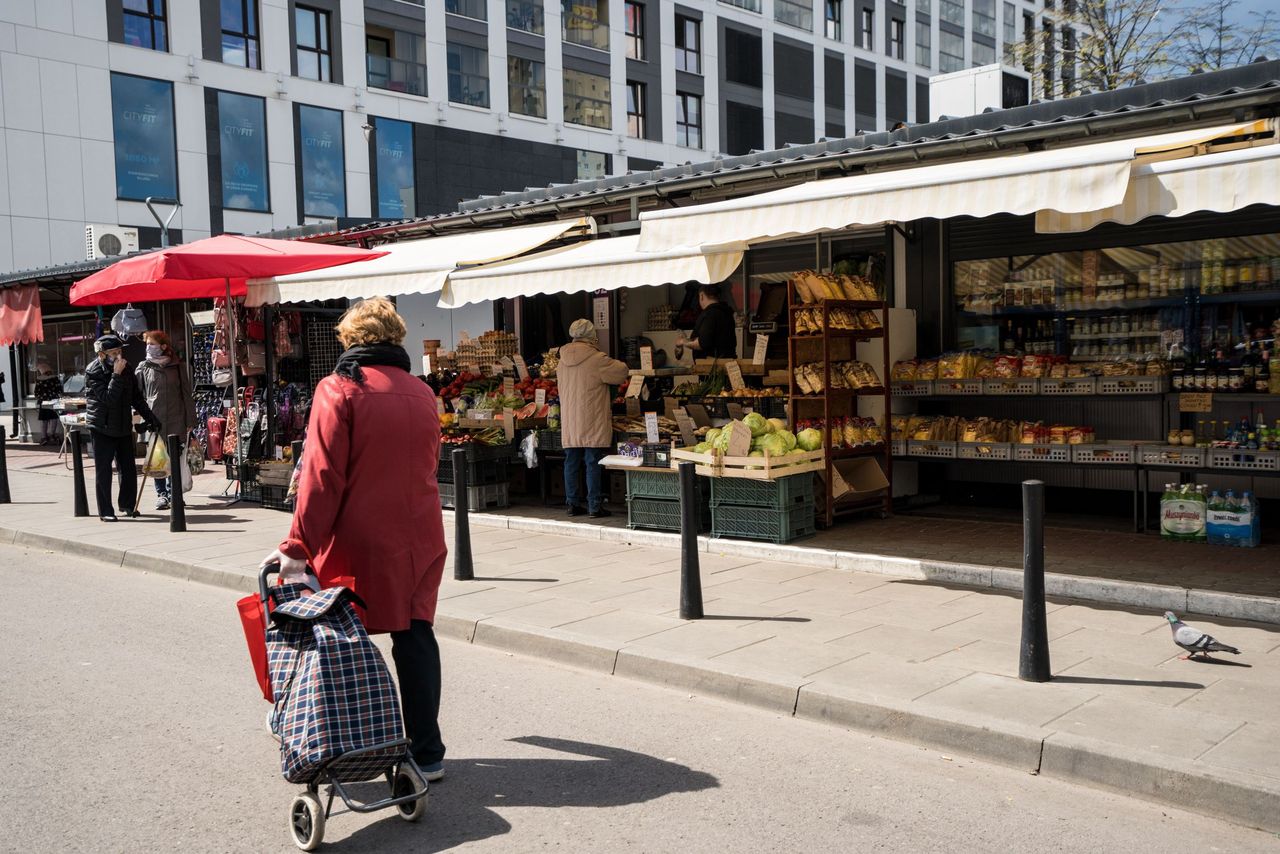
{"type": "Point", "coordinates": [265, 114]}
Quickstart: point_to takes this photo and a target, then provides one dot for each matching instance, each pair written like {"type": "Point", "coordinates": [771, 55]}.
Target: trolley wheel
{"type": "Point", "coordinates": [408, 782]}
{"type": "Point", "coordinates": [306, 821]}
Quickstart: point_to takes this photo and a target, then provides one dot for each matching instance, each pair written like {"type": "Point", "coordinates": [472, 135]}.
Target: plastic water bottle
{"type": "Point", "coordinates": [1230, 503]}
{"type": "Point", "coordinates": [1215, 500]}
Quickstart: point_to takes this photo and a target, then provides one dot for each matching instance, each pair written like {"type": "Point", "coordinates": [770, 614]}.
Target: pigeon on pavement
{"type": "Point", "coordinates": [1193, 640]}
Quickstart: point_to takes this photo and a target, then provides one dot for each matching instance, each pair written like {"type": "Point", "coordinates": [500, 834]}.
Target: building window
{"type": "Point", "coordinates": [585, 22]}
{"type": "Point", "coordinates": [635, 109]}
{"type": "Point", "coordinates": [952, 11]}
{"type": "Point", "coordinates": [477, 9]}
{"type": "Point", "coordinates": [323, 167]}
{"type": "Point", "coordinates": [897, 38]}
{"type": "Point", "coordinates": [1049, 59]}
{"type": "Point", "coordinates": [983, 54]}
{"type": "Point", "coordinates": [527, 86]}
{"type": "Point", "coordinates": [688, 45]}
{"type": "Point", "coordinates": [394, 61]}
{"type": "Point", "coordinates": [749, 5]}
{"type": "Point", "coordinates": [240, 33]}
{"type": "Point", "coordinates": [143, 130]}
{"type": "Point", "coordinates": [468, 75]}
{"type": "Point", "coordinates": [393, 159]}
{"type": "Point", "coordinates": [592, 165]}
{"type": "Point", "coordinates": [834, 17]}
{"type": "Point", "coordinates": [586, 99]}
{"type": "Point", "coordinates": [688, 120]}
{"type": "Point", "coordinates": [1028, 37]}
{"type": "Point", "coordinates": [867, 35]}
{"type": "Point", "coordinates": [924, 7]}
{"type": "Point", "coordinates": [1068, 62]}
{"type": "Point", "coordinates": [950, 52]}
{"type": "Point", "coordinates": [525, 15]}
{"type": "Point", "coordinates": [1010, 32]}
{"type": "Point", "coordinates": [242, 138]}
{"type": "Point", "coordinates": [924, 43]}
{"type": "Point", "coordinates": [634, 29]}
{"type": "Point", "coordinates": [315, 54]}
{"type": "Point", "coordinates": [984, 17]}
{"type": "Point", "coordinates": [794, 14]}
{"type": "Point", "coordinates": [144, 24]}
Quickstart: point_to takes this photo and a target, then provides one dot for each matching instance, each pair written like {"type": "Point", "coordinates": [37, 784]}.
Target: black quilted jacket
{"type": "Point", "coordinates": [111, 400]}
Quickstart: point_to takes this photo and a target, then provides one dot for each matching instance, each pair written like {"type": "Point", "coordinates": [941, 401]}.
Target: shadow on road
{"type": "Point", "coordinates": [1137, 683]}
{"type": "Point", "coordinates": [767, 619]}
{"type": "Point", "coordinates": [503, 578]}
{"type": "Point", "coordinates": [461, 809]}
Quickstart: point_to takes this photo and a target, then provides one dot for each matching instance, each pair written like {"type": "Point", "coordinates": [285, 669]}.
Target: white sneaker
{"type": "Point", "coordinates": [433, 773]}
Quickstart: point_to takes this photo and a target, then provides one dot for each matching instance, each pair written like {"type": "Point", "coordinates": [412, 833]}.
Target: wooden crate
{"type": "Point", "coordinates": [756, 468]}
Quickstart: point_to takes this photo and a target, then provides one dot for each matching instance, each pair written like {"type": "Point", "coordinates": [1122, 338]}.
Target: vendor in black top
{"type": "Point", "coordinates": [714, 335]}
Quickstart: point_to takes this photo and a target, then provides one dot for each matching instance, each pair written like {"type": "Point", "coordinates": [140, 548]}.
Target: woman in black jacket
{"type": "Point", "coordinates": [112, 399]}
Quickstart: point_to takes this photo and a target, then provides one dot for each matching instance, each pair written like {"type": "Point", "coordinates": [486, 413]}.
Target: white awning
{"type": "Point", "coordinates": [414, 266]}
{"type": "Point", "coordinates": [1221, 182]}
{"type": "Point", "coordinates": [603, 264]}
{"type": "Point", "coordinates": [1068, 180]}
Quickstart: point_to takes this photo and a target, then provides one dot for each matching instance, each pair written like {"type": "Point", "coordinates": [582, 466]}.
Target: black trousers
{"type": "Point", "coordinates": [108, 450]}
{"type": "Point", "coordinates": [417, 657]}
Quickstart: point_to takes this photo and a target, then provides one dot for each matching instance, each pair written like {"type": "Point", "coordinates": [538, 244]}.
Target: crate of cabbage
{"type": "Point", "coordinates": [756, 447]}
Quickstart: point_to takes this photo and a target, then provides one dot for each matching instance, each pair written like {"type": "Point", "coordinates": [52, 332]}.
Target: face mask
{"type": "Point", "coordinates": [111, 360]}
{"type": "Point", "coordinates": [154, 351]}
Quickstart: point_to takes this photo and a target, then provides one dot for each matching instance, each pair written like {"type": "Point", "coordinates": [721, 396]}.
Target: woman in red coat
{"type": "Point", "coordinates": [368, 507]}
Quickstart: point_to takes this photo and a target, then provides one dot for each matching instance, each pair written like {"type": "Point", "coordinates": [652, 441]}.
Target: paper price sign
{"type": "Point", "coordinates": [509, 423]}
{"type": "Point", "coordinates": [439, 406]}
{"type": "Point", "coordinates": [634, 386]}
{"type": "Point", "coordinates": [540, 397]}
{"type": "Point", "coordinates": [646, 359]}
{"type": "Point", "coordinates": [633, 407]}
{"type": "Point", "coordinates": [496, 369]}
{"type": "Point", "coordinates": [508, 386]}
{"type": "Point", "coordinates": [651, 427]}
{"type": "Point", "coordinates": [687, 434]}
{"type": "Point", "coordinates": [734, 370]}
{"type": "Point", "coordinates": [1195, 402]}
{"type": "Point", "coordinates": [506, 363]}
{"type": "Point", "coordinates": [521, 368]}
{"type": "Point", "coordinates": [734, 410]}
{"type": "Point", "coordinates": [762, 347]}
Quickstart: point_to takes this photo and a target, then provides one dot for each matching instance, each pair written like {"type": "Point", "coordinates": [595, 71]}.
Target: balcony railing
{"type": "Point", "coordinates": [525, 15]}
{"type": "Point", "coordinates": [586, 30]}
{"type": "Point", "coordinates": [477, 9]}
{"type": "Point", "coordinates": [798, 15]}
{"type": "Point", "coordinates": [469, 89]}
{"type": "Point", "coordinates": [396, 75]}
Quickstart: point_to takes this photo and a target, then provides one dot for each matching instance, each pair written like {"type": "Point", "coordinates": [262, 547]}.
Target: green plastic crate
{"type": "Point", "coordinates": [661, 515]}
{"type": "Point", "coordinates": [758, 523]}
{"type": "Point", "coordinates": [781, 494]}
{"type": "Point", "coordinates": [652, 484]}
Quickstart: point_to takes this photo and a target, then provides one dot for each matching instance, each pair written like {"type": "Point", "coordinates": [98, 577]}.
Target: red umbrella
{"type": "Point", "coordinates": [213, 267]}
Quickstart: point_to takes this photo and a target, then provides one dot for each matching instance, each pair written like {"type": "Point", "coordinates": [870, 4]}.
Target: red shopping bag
{"type": "Point", "coordinates": [217, 426]}
{"type": "Point", "coordinates": [255, 634]}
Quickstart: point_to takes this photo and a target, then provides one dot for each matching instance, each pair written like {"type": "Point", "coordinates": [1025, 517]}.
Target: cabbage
{"type": "Point", "coordinates": [712, 435]}
{"type": "Point", "coordinates": [774, 444]}
{"type": "Point", "coordinates": [721, 443]}
{"type": "Point", "coordinates": [759, 426]}
{"type": "Point", "coordinates": [778, 425]}
{"type": "Point", "coordinates": [756, 454]}
{"type": "Point", "coordinates": [809, 440]}
{"type": "Point", "coordinates": [789, 438]}
{"type": "Point", "coordinates": [702, 448]}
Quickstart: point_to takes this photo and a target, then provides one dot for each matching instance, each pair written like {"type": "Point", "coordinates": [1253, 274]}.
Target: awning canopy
{"type": "Point", "coordinates": [603, 264]}
{"type": "Point", "coordinates": [414, 266]}
{"type": "Point", "coordinates": [1068, 180]}
{"type": "Point", "coordinates": [1221, 182]}
{"type": "Point", "coordinates": [20, 318]}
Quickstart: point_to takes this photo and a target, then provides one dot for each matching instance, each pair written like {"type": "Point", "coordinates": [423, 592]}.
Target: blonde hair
{"type": "Point", "coordinates": [373, 321]}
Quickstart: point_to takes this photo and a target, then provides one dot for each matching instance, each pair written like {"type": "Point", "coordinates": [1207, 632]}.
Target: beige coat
{"type": "Point", "coordinates": [587, 379]}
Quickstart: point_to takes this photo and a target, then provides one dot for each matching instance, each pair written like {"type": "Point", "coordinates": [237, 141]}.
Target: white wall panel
{"type": "Point", "coordinates": [4, 174]}
{"type": "Point", "coordinates": [63, 179]}
{"type": "Point", "coordinates": [98, 177]}
{"type": "Point", "coordinates": [94, 89]}
{"type": "Point", "coordinates": [59, 96]}
{"type": "Point", "coordinates": [55, 15]}
{"type": "Point", "coordinates": [66, 241]}
{"type": "Point", "coordinates": [6, 245]}
{"type": "Point", "coordinates": [63, 47]}
{"type": "Point", "coordinates": [21, 105]}
{"type": "Point", "coordinates": [19, 11]}
{"type": "Point", "coordinates": [30, 243]}
{"type": "Point", "coordinates": [90, 18]}
{"type": "Point", "coordinates": [25, 164]}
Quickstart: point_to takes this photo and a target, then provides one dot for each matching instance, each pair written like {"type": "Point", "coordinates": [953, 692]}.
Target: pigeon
{"type": "Point", "coordinates": [1193, 640]}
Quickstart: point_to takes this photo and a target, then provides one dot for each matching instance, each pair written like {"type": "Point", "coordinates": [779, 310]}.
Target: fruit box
{"type": "Point", "coordinates": [714, 464]}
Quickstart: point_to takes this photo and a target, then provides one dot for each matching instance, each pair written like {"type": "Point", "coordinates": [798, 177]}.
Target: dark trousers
{"type": "Point", "coordinates": [108, 450]}
{"type": "Point", "coordinates": [417, 657]}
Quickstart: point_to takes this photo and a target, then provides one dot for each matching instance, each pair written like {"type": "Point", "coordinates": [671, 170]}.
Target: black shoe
{"type": "Point", "coordinates": [575, 510]}
{"type": "Point", "coordinates": [601, 513]}
{"type": "Point", "coordinates": [129, 513]}
{"type": "Point", "coordinates": [107, 518]}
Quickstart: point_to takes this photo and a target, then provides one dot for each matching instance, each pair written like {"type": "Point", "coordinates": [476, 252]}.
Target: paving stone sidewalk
{"type": "Point", "coordinates": [924, 662]}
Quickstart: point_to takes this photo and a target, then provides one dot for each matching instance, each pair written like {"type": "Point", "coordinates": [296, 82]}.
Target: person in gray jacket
{"type": "Point", "coordinates": [163, 383]}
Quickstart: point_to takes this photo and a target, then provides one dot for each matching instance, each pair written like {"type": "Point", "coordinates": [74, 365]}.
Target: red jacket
{"type": "Point", "coordinates": [368, 507]}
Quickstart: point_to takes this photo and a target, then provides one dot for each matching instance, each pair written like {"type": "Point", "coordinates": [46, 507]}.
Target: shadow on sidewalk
{"type": "Point", "coordinates": [461, 809]}
{"type": "Point", "coordinates": [766, 619]}
{"type": "Point", "coordinates": [492, 578]}
{"type": "Point", "coordinates": [1136, 683]}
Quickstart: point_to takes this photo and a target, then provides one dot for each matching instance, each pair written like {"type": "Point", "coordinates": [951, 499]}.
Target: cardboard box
{"type": "Point", "coordinates": [857, 479]}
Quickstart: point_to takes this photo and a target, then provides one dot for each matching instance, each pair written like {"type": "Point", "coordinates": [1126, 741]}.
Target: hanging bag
{"type": "Point", "coordinates": [129, 321]}
{"type": "Point", "coordinates": [255, 361]}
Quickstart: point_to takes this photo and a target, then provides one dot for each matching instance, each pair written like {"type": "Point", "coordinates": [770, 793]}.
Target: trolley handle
{"type": "Point", "coordinates": [264, 585]}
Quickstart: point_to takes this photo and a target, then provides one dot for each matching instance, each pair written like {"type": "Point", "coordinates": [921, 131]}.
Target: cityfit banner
{"type": "Point", "coordinates": [324, 188]}
{"type": "Point", "coordinates": [146, 152]}
{"type": "Point", "coordinates": [243, 136]}
{"type": "Point", "coordinates": [394, 144]}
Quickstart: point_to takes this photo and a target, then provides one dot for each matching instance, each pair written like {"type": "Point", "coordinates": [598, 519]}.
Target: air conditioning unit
{"type": "Point", "coordinates": [107, 241]}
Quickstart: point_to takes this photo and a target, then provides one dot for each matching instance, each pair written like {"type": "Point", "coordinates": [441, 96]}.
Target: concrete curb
{"type": "Point", "coordinates": [1156, 597]}
{"type": "Point", "coordinates": [1250, 800]}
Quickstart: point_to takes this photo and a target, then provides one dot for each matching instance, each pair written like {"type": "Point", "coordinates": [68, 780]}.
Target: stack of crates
{"type": "Point", "coordinates": [487, 476]}
{"type": "Point", "coordinates": [490, 497]}
{"type": "Point", "coordinates": [779, 511]}
{"type": "Point", "coordinates": [653, 501]}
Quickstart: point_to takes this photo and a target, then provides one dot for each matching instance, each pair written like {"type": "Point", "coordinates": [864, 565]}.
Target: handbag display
{"type": "Point", "coordinates": [255, 359]}
{"type": "Point", "coordinates": [217, 427]}
{"type": "Point", "coordinates": [129, 321]}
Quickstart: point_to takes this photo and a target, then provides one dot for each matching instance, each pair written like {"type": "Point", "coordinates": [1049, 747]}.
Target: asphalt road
{"type": "Point", "coordinates": [129, 721]}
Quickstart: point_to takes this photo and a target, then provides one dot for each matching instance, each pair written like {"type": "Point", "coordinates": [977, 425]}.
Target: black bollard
{"type": "Point", "coordinates": [5, 497]}
{"type": "Point", "coordinates": [177, 501]}
{"type": "Point", "coordinates": [463, 568]}
{"type": "Point", "coordinates": [77, 469]}
{"type": "Point", "coordinates": [1033, 659]}
{"type": "Point", "coordinates": [690, 572]}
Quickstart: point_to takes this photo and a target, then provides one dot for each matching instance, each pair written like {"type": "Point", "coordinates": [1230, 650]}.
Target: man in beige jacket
{"type": "Point", "coordinates": [586, 378]}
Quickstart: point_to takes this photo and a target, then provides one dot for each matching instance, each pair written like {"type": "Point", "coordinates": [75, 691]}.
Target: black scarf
{"type": "Point", "coordinates": [392, 355]}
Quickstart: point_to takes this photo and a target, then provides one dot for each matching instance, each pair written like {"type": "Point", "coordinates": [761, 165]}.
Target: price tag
{"type": "Point", "coordinates": [506, 363]}
{"type": "Point", "coordinates": [646, 359]}
{"type": "Point", "coordinates": [698, 413]}
{"type": "Point", "coordinates": [426, 365]}
{"type": "Point", "coordinates": [734, 370]}
{"type": "Point", "coordinates": [1195, 402]}
{"type": "Point", "coordinates": [496, 370]}
{"type": "Point", "coordinates": [540, 397]}
{"type": "Point", "coordinates": [651, 427]}
{"type": "Point", "coordinates": [734, 410]}
{"type": "Point", "coordinates": [762, 347]}
{"type": "Point", "coordinates": [508, 386]}
{"type": "Point", "coordinates": [633, 387]}
{"type": "Point", "coordinates": [670, 406]}
{"type": "Point", "coordinates": [633, 407]}
{"type": "Point", "coordinates": [685, 379]}
{"type": "Point", "coordinates": [687, 435]}
{"type": "Point", "coordinates": [521, 368]}
{"type": "Point", "coordinates": [509, 424]}
{"type": "Point", "coordinates": [439, 406]}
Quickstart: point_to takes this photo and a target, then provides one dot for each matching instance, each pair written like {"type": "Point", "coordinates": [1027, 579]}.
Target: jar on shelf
{"type": "Point", "coordinates": [1235, 379]}
{"type": "Point", "coordinates": [1245, 274]}
{"type": "Point", "coordinates": [1262, 274]}
{"type": "Point", "coordinates": [1230, 276]}
{"type": "Point", "coordinates": [1201, 379]}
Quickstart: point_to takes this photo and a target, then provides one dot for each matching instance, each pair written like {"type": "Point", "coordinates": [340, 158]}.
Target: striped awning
{"type": "Point", "coordinates": [1072, 180]}
{"type": "Point", "coordinates": [592, 265]}
{"type": "Point", "coordinates": [1220, 182]}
